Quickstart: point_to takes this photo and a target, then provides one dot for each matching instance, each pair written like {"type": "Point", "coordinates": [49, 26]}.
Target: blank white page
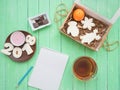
{"type": "Point", "coordinates": [48, 70]}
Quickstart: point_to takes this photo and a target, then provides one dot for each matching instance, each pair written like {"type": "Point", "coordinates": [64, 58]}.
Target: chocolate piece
{"type": "Point", "coordinates": [35, 25]}
{"type": "Point", "coordinates": [45, 21]}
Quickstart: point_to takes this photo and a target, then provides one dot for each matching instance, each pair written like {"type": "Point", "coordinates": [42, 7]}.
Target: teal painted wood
{"type": "Point", "coordinates": [3, 59]}
{"type": "Point", "coordinates": [55, 36]}
{"type": "Point", "coordinates": [113, 56]}
{"type": "Point", "coordinates": [10, 26]}
{"type": "Point", "coordinates": [14, 16]}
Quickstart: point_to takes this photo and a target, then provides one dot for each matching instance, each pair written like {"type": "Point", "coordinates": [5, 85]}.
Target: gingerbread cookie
{"type": "Point", "coordinates": [73, 29]}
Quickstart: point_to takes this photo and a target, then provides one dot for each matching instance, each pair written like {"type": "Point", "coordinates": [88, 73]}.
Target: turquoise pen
{"type": "Point", "coordinates": [28, 71]}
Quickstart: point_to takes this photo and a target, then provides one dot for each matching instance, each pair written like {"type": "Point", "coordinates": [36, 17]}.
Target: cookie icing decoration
{"type": "Point", "coordinates": [27, 48]}
{"type": "Point", "coordinates": [8, 48]}
{"type": "Point", "coordinates": [17, 52]}
{"type": "Point", "coordinates": [30, 39]}
{"type": "Point", "coordinates": [89, 37]}
{"type": "Point", "coordinates": [78, 14]}
{"type": "Point", "coordinates": [17, 38]}
{"type": "Point", "coordinates": [87, 23]}
{"type": "Point", "coordinates": [73, 29]}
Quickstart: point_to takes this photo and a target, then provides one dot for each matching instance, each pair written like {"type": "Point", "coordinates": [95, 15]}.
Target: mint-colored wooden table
{"type": "Point", "coordinates": [14, 16]}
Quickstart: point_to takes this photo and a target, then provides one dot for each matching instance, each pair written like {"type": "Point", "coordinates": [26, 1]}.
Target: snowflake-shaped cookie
{"type": "Point", "coordinates": [88, 23]}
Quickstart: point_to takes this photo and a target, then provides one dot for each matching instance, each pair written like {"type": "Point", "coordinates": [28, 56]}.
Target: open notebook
{"type": "Point", "coordinates": [48, 70]}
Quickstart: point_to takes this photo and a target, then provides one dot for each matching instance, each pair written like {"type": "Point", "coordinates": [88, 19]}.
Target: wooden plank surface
{"type": "Point", "coordinates": [14, 16]}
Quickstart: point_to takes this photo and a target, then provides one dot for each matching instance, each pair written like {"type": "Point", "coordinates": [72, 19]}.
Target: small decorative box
{"type": "Point", "coordinates": [86, 27]}
{"type": "Point", "coordinates": [39, 21]}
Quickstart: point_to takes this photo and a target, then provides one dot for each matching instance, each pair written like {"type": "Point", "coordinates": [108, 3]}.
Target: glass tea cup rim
{"type": "Point", "coordinates": [92, 75]}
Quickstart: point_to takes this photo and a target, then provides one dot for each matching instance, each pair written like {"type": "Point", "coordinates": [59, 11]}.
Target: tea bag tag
{"type": "Point", "coordinates": [77, 1]}
{"type": "Point", "coordinates": [115, 17]}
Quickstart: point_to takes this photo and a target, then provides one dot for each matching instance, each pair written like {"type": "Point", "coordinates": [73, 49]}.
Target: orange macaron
{"type": "Point", "coordinates": [78, 14]}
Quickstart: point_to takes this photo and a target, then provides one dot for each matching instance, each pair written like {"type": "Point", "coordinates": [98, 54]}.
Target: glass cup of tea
{"type": "Point", "coordinates": [84, 68]}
